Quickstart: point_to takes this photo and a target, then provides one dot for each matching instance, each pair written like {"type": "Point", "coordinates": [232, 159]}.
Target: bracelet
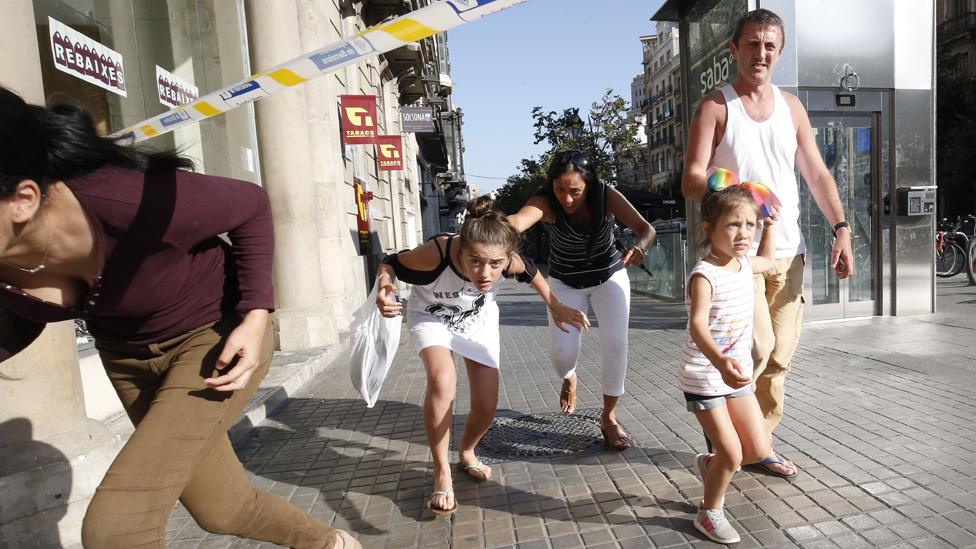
{"type": "Point", "coordinates": [840, 226]}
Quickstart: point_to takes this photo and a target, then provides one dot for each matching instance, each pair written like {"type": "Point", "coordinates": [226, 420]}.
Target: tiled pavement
{"type": "Point", "coordinates": [879, 420]}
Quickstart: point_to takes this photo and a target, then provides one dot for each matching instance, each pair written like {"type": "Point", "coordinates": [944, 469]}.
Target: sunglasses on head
{"type": "Point", "coordinates": [578, 158]}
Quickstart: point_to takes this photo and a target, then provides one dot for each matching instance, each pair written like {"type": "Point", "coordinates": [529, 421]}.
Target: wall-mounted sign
{"type": "Point", "coordinates": [174, 91]}
{"type": "Point", "coordinates": [84, 58]}
{"type": "Point", "coordinates": [358, 119]}
{"type": "Point", "coordinates": [389, 152]}
{"type": "Point", "coordinates": [362, 215]}
{"type": "Point", "coordinates": [417, 119]}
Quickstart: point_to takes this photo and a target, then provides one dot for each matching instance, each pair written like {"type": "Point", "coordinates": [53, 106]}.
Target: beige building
{"type": "Point", "coordinates": [663, 84]}
{"type": "Point", "coordinates": [54, 446]}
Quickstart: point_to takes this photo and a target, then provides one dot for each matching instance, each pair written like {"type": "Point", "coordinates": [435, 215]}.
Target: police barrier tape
{"type": "Point", "coordinates": [417, 25]}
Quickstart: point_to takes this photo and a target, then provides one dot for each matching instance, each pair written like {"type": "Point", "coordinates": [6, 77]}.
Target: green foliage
{"type": "Point", "coordinates": [955, 135]}
{"type": "Point", "coordinates": [604, 136]}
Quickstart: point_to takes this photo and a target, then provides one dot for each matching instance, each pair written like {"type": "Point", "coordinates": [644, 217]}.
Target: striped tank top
{"type": "Point", "coordinates": [729, 323]}
{"type": "Point", "coordinates": [569, 261]}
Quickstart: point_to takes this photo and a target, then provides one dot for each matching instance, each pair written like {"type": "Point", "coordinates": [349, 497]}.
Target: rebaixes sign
{"type": "Point", "coordinates": [84, 58]}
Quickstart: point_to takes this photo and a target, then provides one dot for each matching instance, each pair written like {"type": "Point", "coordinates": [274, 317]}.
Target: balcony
{"type": "Point", "coordinates": [957, 27]}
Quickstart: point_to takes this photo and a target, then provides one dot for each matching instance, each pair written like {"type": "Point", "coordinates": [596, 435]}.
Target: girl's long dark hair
{"type": "Point", "coordinates": [57, 143]}
{"type": "Point", "coordinates": [576, 162]}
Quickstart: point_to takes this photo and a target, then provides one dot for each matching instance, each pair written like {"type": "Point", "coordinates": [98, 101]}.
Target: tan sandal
{"type": "Point", "coordinates": [567, 398]}
{"type": "Point", "coordinates": [440, 511]}
{"type": "Point", "coordinates": [477, 466]}
{"type": "Point", "coordinates": [615, 438]}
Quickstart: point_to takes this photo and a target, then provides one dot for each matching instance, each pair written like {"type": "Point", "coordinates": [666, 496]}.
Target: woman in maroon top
{"type": "Point", "coordinates": [129, 241]}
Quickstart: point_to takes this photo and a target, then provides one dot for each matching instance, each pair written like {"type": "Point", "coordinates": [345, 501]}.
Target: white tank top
{"type": "Point", "coordinates": [765, 152]}
{"type": "Point", "coordinates": [729, 324]}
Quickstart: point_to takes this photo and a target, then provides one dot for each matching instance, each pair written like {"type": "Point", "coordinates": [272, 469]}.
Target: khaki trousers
{"type": "Point", "coordinates": [775, 333]}
{"type": "Point", "coordinates": [180, 449]}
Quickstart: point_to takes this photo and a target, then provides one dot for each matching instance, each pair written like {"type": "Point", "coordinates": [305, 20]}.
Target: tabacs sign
{"type": "Point", "coordinates": [84, 58]}
{"type": "Point", "coordinates": [389, 152]}
{"type": "Point", "coordinates": [174, 91]}
{"type": "Point", "coordinates": [358, 119]}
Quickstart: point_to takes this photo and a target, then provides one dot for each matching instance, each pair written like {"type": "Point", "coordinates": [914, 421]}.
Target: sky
{"type": "Point", "coordinates": [552, 53]}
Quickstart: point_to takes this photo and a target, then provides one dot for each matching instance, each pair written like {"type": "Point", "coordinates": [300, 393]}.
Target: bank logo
{"type": "Point", "coordinates": [359, 116]}
{"type": "Point", "coordinates": [174, 119]}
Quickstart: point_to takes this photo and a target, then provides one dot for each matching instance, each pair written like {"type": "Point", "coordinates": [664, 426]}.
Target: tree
{"type": "Point", "coordinates": [605, 136]}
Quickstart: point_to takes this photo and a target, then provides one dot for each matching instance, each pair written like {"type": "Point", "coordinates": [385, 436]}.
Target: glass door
{"type": "Point", "coordinates": [848, 144]}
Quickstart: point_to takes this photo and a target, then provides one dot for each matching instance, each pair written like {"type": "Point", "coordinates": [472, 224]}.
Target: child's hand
{"type": "Point", "coordinates": [732, 374]}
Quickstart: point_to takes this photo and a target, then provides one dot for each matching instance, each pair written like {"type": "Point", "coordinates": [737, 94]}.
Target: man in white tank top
{"type": "Point", "coordinates": [763, 134]}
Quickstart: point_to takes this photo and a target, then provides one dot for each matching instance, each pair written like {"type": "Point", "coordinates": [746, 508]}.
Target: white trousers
{"type": "Point", "coordinates": [611, 303]}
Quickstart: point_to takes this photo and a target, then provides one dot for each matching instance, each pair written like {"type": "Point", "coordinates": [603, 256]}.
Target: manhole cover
{"type": "Point", "coordinates": [541, 435]}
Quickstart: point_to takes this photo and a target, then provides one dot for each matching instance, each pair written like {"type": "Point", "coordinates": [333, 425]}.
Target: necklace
{"type": "Point", "coordinates": [40, 266]}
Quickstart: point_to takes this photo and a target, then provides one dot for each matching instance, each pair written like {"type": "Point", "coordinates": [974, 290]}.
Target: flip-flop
{"type": "Point", "coordinates": [567, 398]}
{"type": "Point", "coordinates": [477, 466]}
{"type": "Point", "coordinates": [620, 435]}
{"type": "Point", "coordinates": [775, 460]}
{"type": "Point", "coordinates": [440, 511]}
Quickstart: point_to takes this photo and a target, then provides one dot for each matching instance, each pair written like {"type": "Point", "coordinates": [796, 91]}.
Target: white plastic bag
{"type": "Point", "coordinates": [374, 343]}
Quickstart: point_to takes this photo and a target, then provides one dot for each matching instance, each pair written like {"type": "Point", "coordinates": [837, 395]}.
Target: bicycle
{"type": "Point", "coordinates": [951, 246]}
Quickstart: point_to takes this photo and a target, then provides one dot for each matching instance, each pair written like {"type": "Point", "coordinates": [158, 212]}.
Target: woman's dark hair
{"type": "Point", "coordinates": [485, 225]}
{"type": "Point", "coordinates": [53, 144]}
{"type": "Point", "coordinates": [577, 162]}
{"type": "Point", "coordinates": [716, 203]}
{"type": "Point", "coordinates": [765, 18]}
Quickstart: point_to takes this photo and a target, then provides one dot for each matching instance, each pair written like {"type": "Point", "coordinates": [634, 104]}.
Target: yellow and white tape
{"type": "Point", "coordinates": [417, 25]}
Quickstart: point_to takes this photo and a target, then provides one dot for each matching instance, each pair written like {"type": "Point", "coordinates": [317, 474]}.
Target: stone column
{"type": "Point", "coordinates": [51, 455]}
{"type": "Point", "coordinates": [273, 33]}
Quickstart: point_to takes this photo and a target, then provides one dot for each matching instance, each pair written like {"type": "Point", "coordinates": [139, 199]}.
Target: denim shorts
{"type": "Point", "coordinates": [700, 403]}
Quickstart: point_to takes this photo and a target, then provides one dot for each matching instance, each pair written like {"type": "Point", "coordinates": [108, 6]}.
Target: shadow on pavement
{"type": "Point", "coordinates": [367, 464]}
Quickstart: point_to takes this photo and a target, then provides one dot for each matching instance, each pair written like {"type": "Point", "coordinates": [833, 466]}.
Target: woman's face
{"type": "Point", "coordinates": [570, 191]}
{"type": "Point", "coordinates": [483, 264]}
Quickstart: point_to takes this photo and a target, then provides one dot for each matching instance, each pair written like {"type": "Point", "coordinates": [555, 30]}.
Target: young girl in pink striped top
{"type": "Point", "coordinates": [716, 367]}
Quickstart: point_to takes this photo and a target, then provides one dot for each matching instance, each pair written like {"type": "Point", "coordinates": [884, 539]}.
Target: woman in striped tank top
{"type": "Point", "coordinates": [716, 365]}
{"type": "Point", "coordinates": [585, 267]}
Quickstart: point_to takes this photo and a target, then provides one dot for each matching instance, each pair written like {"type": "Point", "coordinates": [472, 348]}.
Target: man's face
{"type": "Point", "coordinates": [758, 50]}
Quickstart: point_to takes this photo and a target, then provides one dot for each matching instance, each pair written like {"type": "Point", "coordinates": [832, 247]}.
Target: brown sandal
{"type": "Point", "coordinates": [615, 438]}
{"type": "Point", "coordinates": [567, 398]}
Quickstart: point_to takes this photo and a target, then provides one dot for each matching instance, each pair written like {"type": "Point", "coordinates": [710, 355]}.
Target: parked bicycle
{"type": "Point", "coordinates": [951, 245]}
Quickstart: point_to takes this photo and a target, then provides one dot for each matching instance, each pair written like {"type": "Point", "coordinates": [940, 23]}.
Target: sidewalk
{"type": "Point", "coordinates": [879, 420]}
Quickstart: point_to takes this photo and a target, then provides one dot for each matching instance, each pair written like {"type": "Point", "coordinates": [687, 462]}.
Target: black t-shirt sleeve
{"type": "Point", "coordinates": [525, 276]}
{"type": "Point", "coordinates": [408, 275]}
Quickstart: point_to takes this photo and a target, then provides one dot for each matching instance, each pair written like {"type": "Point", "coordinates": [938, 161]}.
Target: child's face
{"type": "Point", "coordinates": [483, 264]}
{"type": "Point", "coordinates": [734, 231]}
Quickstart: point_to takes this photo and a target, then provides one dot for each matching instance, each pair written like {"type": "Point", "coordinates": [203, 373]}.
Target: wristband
{"type": "Point", "coordinates": [840, 226]}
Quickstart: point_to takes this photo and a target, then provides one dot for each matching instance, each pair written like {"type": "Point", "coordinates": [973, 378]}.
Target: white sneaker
{"type": "Point", "coordinates": [715, 526]}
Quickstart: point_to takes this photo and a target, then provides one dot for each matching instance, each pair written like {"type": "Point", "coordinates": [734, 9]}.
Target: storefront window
{"type": "Point", "coordinates": [200, 43]}
{"type": "Point", "coordinates": [710, 27]}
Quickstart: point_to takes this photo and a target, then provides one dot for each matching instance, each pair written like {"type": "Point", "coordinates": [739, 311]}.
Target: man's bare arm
{"type": "Point", "coordinates": [701, 145]}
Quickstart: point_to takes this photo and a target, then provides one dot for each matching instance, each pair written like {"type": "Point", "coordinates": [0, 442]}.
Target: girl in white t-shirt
{"type": "Point", "coordinates": [452, 310]}
{"type": "Point", "coordinates": [716, 366]}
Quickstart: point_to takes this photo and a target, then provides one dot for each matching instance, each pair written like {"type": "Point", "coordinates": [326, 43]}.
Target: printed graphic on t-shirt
{"type": "Point", "coordinates": [454, 317]}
